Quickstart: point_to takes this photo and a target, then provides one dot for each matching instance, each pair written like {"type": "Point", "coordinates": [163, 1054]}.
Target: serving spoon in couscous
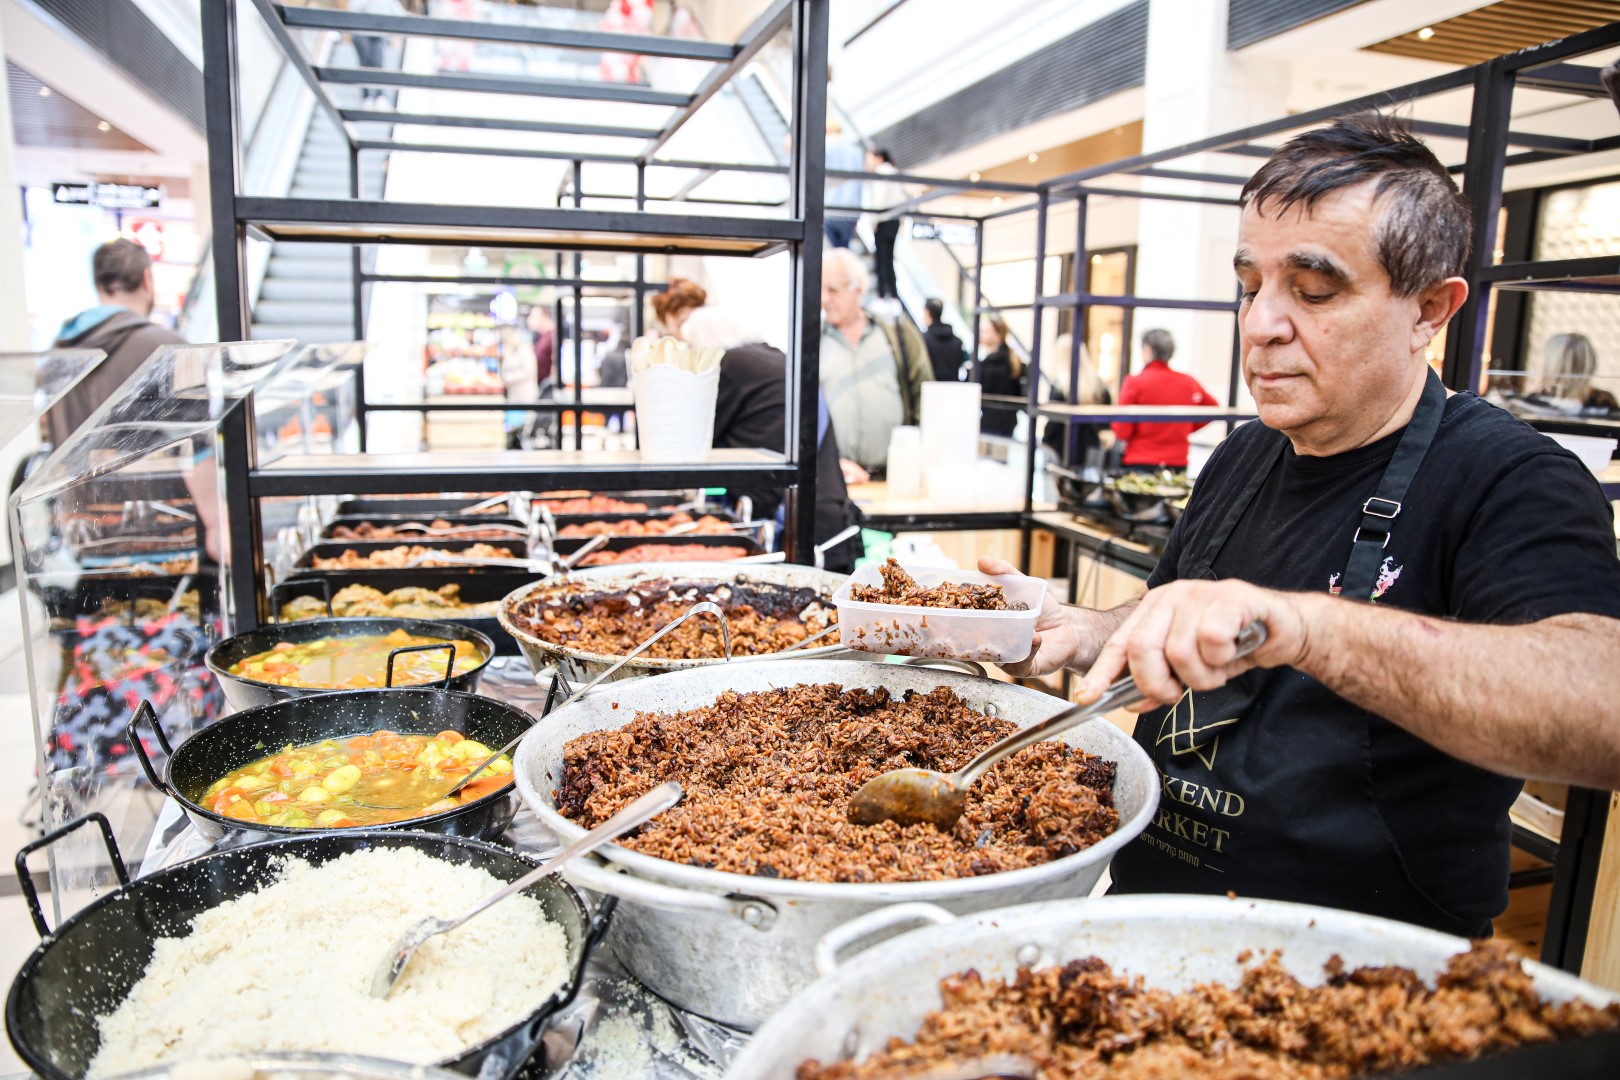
{"type": "Point", "coordinates": [655, 802]}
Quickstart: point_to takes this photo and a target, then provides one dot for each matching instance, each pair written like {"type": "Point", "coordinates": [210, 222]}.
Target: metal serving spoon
{"type": "Point", "coordinates": [910, 796]}
{"type": "Point", "coordinates": [655, 802]}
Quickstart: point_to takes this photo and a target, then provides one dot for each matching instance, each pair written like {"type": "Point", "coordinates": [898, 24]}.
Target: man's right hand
{"type": "Point", "coordinates": [1057, 637]}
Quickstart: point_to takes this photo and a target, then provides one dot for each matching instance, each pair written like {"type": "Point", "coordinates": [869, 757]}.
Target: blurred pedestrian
{"type": "Point", "coordinates": [945, 350]}
{"type": "Point", "coordinates": [120, 325]}
{"type": "Point", "coordinates": [1159, 445]}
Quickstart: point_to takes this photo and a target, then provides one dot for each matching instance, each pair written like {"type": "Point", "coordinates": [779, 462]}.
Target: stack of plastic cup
{"type": "Point", "coordinates": [905, 463]}
{"type": "Point", "coordinates": [675, 413]}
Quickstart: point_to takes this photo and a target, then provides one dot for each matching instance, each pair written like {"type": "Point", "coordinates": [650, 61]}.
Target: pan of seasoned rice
{"type": "Point", "coordinates": [1260, 989]}
{"type": "Point", "coordinates": [271, 948]}
{"type": "Point", "coordinates": [724, 897]}
{"type": "Point", "coordinates": [588, 620]}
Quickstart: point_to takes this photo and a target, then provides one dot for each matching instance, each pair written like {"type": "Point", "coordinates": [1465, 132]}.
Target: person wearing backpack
{"type": "Point", "coordinates": [872, 369]}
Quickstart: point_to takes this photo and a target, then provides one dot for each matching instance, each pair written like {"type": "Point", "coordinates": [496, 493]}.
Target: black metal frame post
{"type": "Point", "coordinates": [1482, 183]}
{"type": "Point", "coordinates": [579, 318]}
{"type": "Point", "coordinates": [238, 447]}
{"type": "Point", "coordinates": [978, 298]}
{"type": "Point", "coordinates": [1032, 406]}
{"type": "Point", "coordinates": [806, 183]}
{"type": "Point", "coordinates": [358, 298]}
{"type": "Point", "coordinates": [224, 168]}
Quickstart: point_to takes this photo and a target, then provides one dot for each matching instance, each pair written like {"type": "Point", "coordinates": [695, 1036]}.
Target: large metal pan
{"type": "Point", "coordinates": [1174, 942]}
{"type": "Point", "coordinates": [245, 737]}
{"type": "Point", "coordinates": [245, 693]}
{"type": "Point", "coordinates": [734, 947]}
{"type": "Point", "coordinates": [708, 577]}
{"type": "Point", "coordinates": [86, 966]}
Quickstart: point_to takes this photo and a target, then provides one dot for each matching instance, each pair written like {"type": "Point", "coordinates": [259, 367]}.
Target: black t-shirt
{"type": "Point", "coordinates": [1276, 787]}
{"type": "Point", "coordinates": [750, 410]}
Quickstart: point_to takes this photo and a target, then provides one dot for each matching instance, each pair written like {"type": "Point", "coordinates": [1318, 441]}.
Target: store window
{"type": "Point", "coordinates": [1571, 348]}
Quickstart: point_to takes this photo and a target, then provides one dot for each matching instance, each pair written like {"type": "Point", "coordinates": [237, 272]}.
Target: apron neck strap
{"type": "Point", "coordinates": [1378, 514]}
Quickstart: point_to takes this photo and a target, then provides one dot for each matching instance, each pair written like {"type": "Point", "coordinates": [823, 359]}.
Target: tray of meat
{"type": "Point", "coordinates": [637, 549]}
{"type": "Point", "coordinates": [383, 564]}
{"type": "Point", "coordinates": [627, 502]}
{"type": "Point", "coordinates": [412, 508]}
{"type": "Point", "coordinates": [440, 526]}
{"type": "Point", "coordinates": [929, 611]}
{"type": "Point", "coordinates": [693, 522]}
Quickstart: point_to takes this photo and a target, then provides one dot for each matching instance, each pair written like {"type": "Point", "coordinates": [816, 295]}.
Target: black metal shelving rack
{"type": "Point", "coordinates": [564, 229]}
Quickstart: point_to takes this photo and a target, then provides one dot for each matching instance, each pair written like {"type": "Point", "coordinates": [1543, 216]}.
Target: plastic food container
{"type": "Point", "coordinates": [999, 637]}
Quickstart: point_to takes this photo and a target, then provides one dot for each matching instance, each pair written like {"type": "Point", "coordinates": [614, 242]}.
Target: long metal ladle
{"type": "Point", "coordinates": [655, 802]}
{"type": "Point", "coordinates": [910, 796]}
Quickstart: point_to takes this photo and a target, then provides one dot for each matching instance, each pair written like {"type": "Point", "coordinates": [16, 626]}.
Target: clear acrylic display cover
{"type": "Point", "coordinates": [122, 543]}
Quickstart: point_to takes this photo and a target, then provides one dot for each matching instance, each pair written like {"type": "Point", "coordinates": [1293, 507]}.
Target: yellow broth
{"type": "Point", "coordinates": [364, 780]}
{"type": "Point", "coordinates": [355, 662]}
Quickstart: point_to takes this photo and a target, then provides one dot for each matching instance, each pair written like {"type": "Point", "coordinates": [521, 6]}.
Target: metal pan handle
{"type": "Point", "coordinates": [968, 667]}
{"type": "Point", "coordinates": [27, 882]}
{"type": "Point", "coordinates": [147, 713]}
{"type": "Point", "coordinates": [449, 668]}
{"type": "Point", "coordinates": [702, 607]}
{"type": "Point", "coordinates": [589, 872]}
{"type": "Point", "coordinates": [326, 594]}
{"type": "Point", "coordinates": [846, 934]}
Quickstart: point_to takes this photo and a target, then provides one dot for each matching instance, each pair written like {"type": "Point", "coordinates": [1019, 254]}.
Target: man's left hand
{"type": "Point", "coordinates": [1184, 635]}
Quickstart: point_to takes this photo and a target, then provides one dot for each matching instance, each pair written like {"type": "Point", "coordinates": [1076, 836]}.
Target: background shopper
{"type": "Point", "coordinates": [872, 368]}
{"type": "Point", "coordinates": [120, 326]}
{"type": "Point", "coordinates": [946, 353]}
{"type": "Point", "coordinates": [751, 411]}
{"type": "Point", "coordinates": [1001, 371]}
{"type": "Point", "coordinates": [1159, 445]}
{"type": "Point", "coordinates": [880, 195]}
{"type": "Point", "coordinates": [672, 306]}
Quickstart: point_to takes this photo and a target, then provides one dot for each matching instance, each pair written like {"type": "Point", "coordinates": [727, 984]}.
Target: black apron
{"type": "Point", "coordinates": [1282, 808]}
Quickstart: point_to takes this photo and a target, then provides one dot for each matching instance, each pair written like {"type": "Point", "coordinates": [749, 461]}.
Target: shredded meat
{"type": "Point", "coordinates": [395, 558]}
{"type": "Point", "coordinates": [593, 504]}
{"type": "Point", "coordinates": [900, 588]}
{"type": "Point", "coordinates": [641, 553]}
{"type": "Point", "coordinates": [1081, 1021]}
{"type": "Point", "coordinates": [763, 618]}
{"type": "Point", "coordinates": [769, 775]}
{"type": "Point", "coordinates": [707, 525]}
{"type": "Point", "coordinates": [371, 530]}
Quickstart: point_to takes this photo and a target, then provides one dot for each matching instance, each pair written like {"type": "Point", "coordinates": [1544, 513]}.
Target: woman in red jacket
{"type": "Point", "coordinates": [1159, 445]}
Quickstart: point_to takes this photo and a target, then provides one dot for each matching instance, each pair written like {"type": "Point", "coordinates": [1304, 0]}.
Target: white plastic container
{"type": "Point", "coordinates": [905, 463]}
{"type": "Point", "coordinates": [1594, 452]}
{"type": "Point", "coordinates": [675, 413]}
{"type": "Point", "coordinates": [998, 637]}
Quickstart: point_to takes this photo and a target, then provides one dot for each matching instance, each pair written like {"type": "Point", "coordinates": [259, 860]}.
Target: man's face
{"type": "Point", "coordinates": [839, 299]}
{"type": "Point", "coordinates": [1327, 347]}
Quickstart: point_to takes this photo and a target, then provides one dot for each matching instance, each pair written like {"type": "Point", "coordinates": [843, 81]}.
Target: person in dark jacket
{"type": "Point", "coordinates": [945, 349]}
{"type": "Point", "coordinates": [120, 326]}
{"type": "Point", "coordinates": [1001, 371]}
{"type": "Point", "coordinates": [751, 411]}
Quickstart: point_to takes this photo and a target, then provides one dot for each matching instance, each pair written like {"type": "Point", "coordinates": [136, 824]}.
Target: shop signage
{"type": "Point", "coordinates": [955, 233]}
{"type": "Point", "coordinates": [108, 196]}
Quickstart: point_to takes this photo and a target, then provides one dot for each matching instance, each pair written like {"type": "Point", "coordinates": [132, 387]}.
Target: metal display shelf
{"type": "Point", "coordinates": [238, 216]}
{"type": "Point", "coordinates": [606, 470]}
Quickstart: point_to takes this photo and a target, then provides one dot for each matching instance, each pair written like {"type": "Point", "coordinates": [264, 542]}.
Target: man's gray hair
{"type": "Point", "coordinates": [854, 269]}
{"type": "Point", "coordinates": [1160, 344]}
{"type": "Point", "coordinates": [1425, 223]}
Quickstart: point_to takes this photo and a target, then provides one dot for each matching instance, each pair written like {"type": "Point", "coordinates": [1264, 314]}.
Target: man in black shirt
{"type": "Point", "coordinates": [945, 351]}
{"type": "Point", "coordinates": [1437, 580]}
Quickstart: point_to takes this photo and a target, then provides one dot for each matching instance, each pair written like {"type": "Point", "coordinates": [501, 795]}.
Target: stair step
{"type": "Point", "coordinates": [304, 333]}
{"type": "Point", "coordinates": [313, 250]}
{"type": "Point", "coordinates": [294, 268]}
{"type": "Point", "coordinates": [304, 311]}
{"type": "Point", "coordinates": [318, 190]}
{"type": "Point", "coordinates": [276, 287]}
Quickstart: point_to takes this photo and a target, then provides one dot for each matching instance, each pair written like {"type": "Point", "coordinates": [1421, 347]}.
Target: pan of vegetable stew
{"type": "Point", "coordinates": [357, 759]}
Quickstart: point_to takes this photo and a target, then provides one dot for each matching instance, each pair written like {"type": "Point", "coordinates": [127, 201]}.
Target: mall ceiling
{"type": "Point", "coordinates": [1507, 26]}
{"type": "Point", "coordinates": [44, 118]}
